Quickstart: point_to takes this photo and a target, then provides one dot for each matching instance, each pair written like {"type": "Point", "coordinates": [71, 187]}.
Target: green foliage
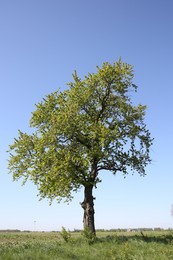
{"type": "Point", "coordinates": [66, 235]}
{"type": "Point", "coordinates": [90, 127]}
{"type": "Point", "coordinates": [122, 246]}
{"type": "Point", "coordinates": [88, 235]}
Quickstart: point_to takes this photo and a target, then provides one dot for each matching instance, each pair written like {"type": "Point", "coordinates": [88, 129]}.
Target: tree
{"type": "Point", "coordinates": [90, 127]}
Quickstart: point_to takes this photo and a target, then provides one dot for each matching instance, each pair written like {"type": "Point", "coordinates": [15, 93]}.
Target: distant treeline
{"type": "Point", "coordinates": [10, 230]}
{"type": "Point", "coordinates": [127, 229]}
{"type": "Point", "coordinates": [98, 230]}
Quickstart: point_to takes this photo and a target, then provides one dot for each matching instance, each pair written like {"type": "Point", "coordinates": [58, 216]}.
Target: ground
{"type": "Point", "coordinates": [154, 245]}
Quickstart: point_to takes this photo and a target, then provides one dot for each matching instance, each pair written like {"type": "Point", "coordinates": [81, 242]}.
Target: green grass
{"type": "Point", "coordinates": [109, 245]}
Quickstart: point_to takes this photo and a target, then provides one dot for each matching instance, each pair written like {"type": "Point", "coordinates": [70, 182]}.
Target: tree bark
{"type": "Point", "coordinates": [88, 206]}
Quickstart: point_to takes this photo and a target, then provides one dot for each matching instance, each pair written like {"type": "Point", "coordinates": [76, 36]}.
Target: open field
{"type": "Point", "coordinates": [109, 245]}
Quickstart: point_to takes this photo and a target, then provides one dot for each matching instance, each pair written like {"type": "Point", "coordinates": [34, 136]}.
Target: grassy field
{"type": "Point", "coordinates": [109, 245]}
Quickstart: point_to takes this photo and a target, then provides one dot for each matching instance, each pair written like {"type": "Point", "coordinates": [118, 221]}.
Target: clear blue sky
{"type": "Point", "coordinates": [41, 44]}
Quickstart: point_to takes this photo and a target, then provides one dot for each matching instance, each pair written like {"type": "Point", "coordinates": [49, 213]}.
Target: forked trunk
{"type": "Point", "coordinates": [88, 206]}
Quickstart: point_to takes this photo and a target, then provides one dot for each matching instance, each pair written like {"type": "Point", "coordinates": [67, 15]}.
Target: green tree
{"type": "Point", "coordinates": [90, 127]}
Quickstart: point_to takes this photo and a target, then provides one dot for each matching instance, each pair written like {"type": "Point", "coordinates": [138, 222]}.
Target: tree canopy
{"type": "Point", "coordinates": [91, 126]}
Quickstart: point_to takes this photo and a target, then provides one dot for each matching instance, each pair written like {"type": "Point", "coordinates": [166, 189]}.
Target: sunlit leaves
{"type": "Point", "coordinates": [92, 126]}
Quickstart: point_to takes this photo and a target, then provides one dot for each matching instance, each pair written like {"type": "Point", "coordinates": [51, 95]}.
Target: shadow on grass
{"type": "Point", "coordinates": [164, 239]}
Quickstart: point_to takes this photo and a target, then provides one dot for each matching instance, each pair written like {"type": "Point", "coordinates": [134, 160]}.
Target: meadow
{"type": "Point", "coordinates": [155, 245]}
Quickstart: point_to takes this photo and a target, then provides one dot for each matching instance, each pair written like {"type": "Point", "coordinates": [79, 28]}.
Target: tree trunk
{"type": "Point", "coordinates": [88, 206]}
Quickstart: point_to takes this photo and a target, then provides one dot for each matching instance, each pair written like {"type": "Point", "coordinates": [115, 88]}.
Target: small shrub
{"type": "Point", "coordinates": [88, 235]}
{"type": "Point", "coordinates": [66, 235]}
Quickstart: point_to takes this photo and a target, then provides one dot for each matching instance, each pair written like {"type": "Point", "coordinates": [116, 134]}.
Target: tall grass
{"type": "Point", "coordinates": [117, 246]}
